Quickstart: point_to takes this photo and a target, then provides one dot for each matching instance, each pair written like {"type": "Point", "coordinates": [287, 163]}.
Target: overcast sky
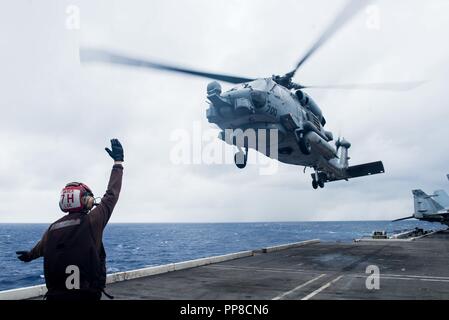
{"type": "Point", "coordinates": [57, 116]}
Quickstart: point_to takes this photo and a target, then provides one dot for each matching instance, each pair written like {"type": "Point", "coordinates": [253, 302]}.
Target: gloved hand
{"type": "Point", "coordinates": [24, 256]}
{"type": "Point", "coordinates": [117, 150]}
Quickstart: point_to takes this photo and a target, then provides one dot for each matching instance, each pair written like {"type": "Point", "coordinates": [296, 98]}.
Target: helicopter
{"type": "Point", "coordinates": [275, 103]}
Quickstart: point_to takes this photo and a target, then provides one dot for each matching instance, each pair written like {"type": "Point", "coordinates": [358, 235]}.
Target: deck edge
{"type": "Point", "coordinates": [40, 290]}
{"type": "Point", "coordinates": [290, 245]}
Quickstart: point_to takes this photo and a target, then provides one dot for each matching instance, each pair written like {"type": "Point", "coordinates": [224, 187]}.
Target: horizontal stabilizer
{"type": "Point", "coordinates": [360, 170]}
{"type": "Point", "coordinates": [366, 169]}
{"type": "Point", "coordinates": [406, 218]}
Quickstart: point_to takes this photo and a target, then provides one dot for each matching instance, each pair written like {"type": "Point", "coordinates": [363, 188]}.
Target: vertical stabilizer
{"type": "Point", "coordinates": [442, 198]}
{"type": "Point", "coordinates": [424, 204]}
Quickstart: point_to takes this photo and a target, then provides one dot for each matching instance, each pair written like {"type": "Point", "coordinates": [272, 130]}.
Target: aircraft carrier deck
{"type": "Point", "coordinates": [409, 269]}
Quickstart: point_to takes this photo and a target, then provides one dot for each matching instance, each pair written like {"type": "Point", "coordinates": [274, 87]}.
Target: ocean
{"type": "Point", "coordinates": [133, 246]}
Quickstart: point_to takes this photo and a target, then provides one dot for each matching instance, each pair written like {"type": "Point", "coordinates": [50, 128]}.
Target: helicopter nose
{"type": "Point", "coordinates": [243, 106]}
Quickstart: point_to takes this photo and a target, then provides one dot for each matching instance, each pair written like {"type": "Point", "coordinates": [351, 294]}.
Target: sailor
{"type": "Point", "coordinates": [72, 247]}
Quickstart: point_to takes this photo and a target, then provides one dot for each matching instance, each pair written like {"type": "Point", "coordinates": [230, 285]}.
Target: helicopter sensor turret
{"type": "Point", "coordinates": [213, 88]}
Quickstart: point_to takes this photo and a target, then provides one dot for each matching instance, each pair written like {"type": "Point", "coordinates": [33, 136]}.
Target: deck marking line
{"type": "Point", "coordinates": [415, 279]}
{"type": "Point", "coordinates": [327, 285]}
{"type": "Point", "coordinates": [416, 276]}
{"type": "Point", "coordinates": [262, 270]}
{"type": "Point", "coordinates": [408, 278]}
{"type": "Point", "coordinates": [279, 297]}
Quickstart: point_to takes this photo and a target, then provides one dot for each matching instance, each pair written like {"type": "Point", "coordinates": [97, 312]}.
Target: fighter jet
{"type": "Point", "coordinates": [432, 208]}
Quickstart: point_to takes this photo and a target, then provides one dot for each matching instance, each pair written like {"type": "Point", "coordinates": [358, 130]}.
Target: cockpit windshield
{"type": "Point", "coordinates": [260, 84]}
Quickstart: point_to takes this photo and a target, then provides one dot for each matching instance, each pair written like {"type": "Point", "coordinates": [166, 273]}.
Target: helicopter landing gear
{"type": "Point", "coordinates": [241, 158]}
{"type": "Point", "coordinates": [316, 184]}
{"type": "Point", "coordinates": [321, 184]}
{"type": "Point", "coordinates": [303, 143]}
{"type": "Point", "coordinates": [317, 181]}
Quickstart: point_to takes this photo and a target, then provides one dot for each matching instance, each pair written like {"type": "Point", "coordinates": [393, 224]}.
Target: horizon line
{"type": "Point", "coordinates": [212, 222]}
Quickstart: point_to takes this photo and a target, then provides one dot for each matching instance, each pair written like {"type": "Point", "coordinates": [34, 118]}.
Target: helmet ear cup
{"type": "Point", "coordinates": [88, 202]}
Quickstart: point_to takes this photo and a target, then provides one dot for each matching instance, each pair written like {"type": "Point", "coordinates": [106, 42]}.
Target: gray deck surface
{"type": "Point", "coordinates": [409, 270]}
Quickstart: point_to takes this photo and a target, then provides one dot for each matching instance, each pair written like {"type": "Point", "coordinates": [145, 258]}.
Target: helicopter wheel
{"type": "Point", "coordinates": [314, 184]}
{"type": "Point", "coordinates": [238, 159]}
{"type": "Point", "coordinates": [321, 184]}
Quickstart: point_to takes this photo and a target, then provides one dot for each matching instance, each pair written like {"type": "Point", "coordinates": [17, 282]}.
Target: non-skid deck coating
{"type": "Point", "coordinates": [408, 270]}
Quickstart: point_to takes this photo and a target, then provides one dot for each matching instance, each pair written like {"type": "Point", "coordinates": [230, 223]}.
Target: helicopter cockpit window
{"type": "Point", "coordinates": [259, 84]}
{"type": "Point", "coordinates": [277, 91]}
{"type": "Point", "coordinates": [259, 98]}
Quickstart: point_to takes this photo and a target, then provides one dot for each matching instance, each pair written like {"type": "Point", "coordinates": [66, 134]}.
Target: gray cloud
{"type": "Point", "coordinates": [57, 116]}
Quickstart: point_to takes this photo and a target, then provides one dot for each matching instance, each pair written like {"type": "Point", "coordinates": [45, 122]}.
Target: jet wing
{"type": "Point", "coordinates": [406, 218]}
{"type": "Point", "coordinates": [440, 216]}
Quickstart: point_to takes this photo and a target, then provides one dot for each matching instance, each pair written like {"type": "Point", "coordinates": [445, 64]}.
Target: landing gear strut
{"type": "Point", "coordinates": [241, 158]}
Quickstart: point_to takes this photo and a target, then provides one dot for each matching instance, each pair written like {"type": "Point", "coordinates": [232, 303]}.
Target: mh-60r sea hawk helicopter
{"type": "Point", "coordinates": [275, 103]}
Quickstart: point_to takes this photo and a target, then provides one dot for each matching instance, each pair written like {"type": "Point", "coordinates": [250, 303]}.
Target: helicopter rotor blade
{"type": "Point", "coordinates": [98, 55]}
{"type": "Point", "coordinates": [350, 9]}
{"type": "Point", "coordinates": [391, 86]}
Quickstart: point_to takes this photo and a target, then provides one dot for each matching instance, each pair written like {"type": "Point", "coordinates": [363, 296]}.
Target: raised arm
{"type": "Point", "coordinates": [99, 216]}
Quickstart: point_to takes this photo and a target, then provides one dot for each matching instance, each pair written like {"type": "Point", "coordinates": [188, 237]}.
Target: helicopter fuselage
{"type": "Point", "coordinates": [263, 104]}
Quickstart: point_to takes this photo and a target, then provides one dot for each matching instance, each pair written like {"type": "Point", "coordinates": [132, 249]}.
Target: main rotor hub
{"type": "Point", "coordinates": [286, 81]}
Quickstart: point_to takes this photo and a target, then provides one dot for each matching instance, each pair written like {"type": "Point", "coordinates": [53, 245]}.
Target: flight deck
{"type": "Point", "coordinates": [415, 269]}
{"type": "Point", "coordinates": [410, 268]}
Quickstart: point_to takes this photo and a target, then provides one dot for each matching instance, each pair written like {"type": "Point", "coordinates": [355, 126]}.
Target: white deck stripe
{"type": "Point", "coordinates": [405, 277]}
{"type": "Point", "coordinates": [327, 285]}
{"type": "Point", "coordinates": [261, 270]}
{"type": "Point", "coordinates": [356, 275]}
{"type": "Point", "coordinates": [414, 276]}
{"type": "Point", "coordinates": [414, 279]}
{"type": "Point", "coordinates": [279, 297]}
